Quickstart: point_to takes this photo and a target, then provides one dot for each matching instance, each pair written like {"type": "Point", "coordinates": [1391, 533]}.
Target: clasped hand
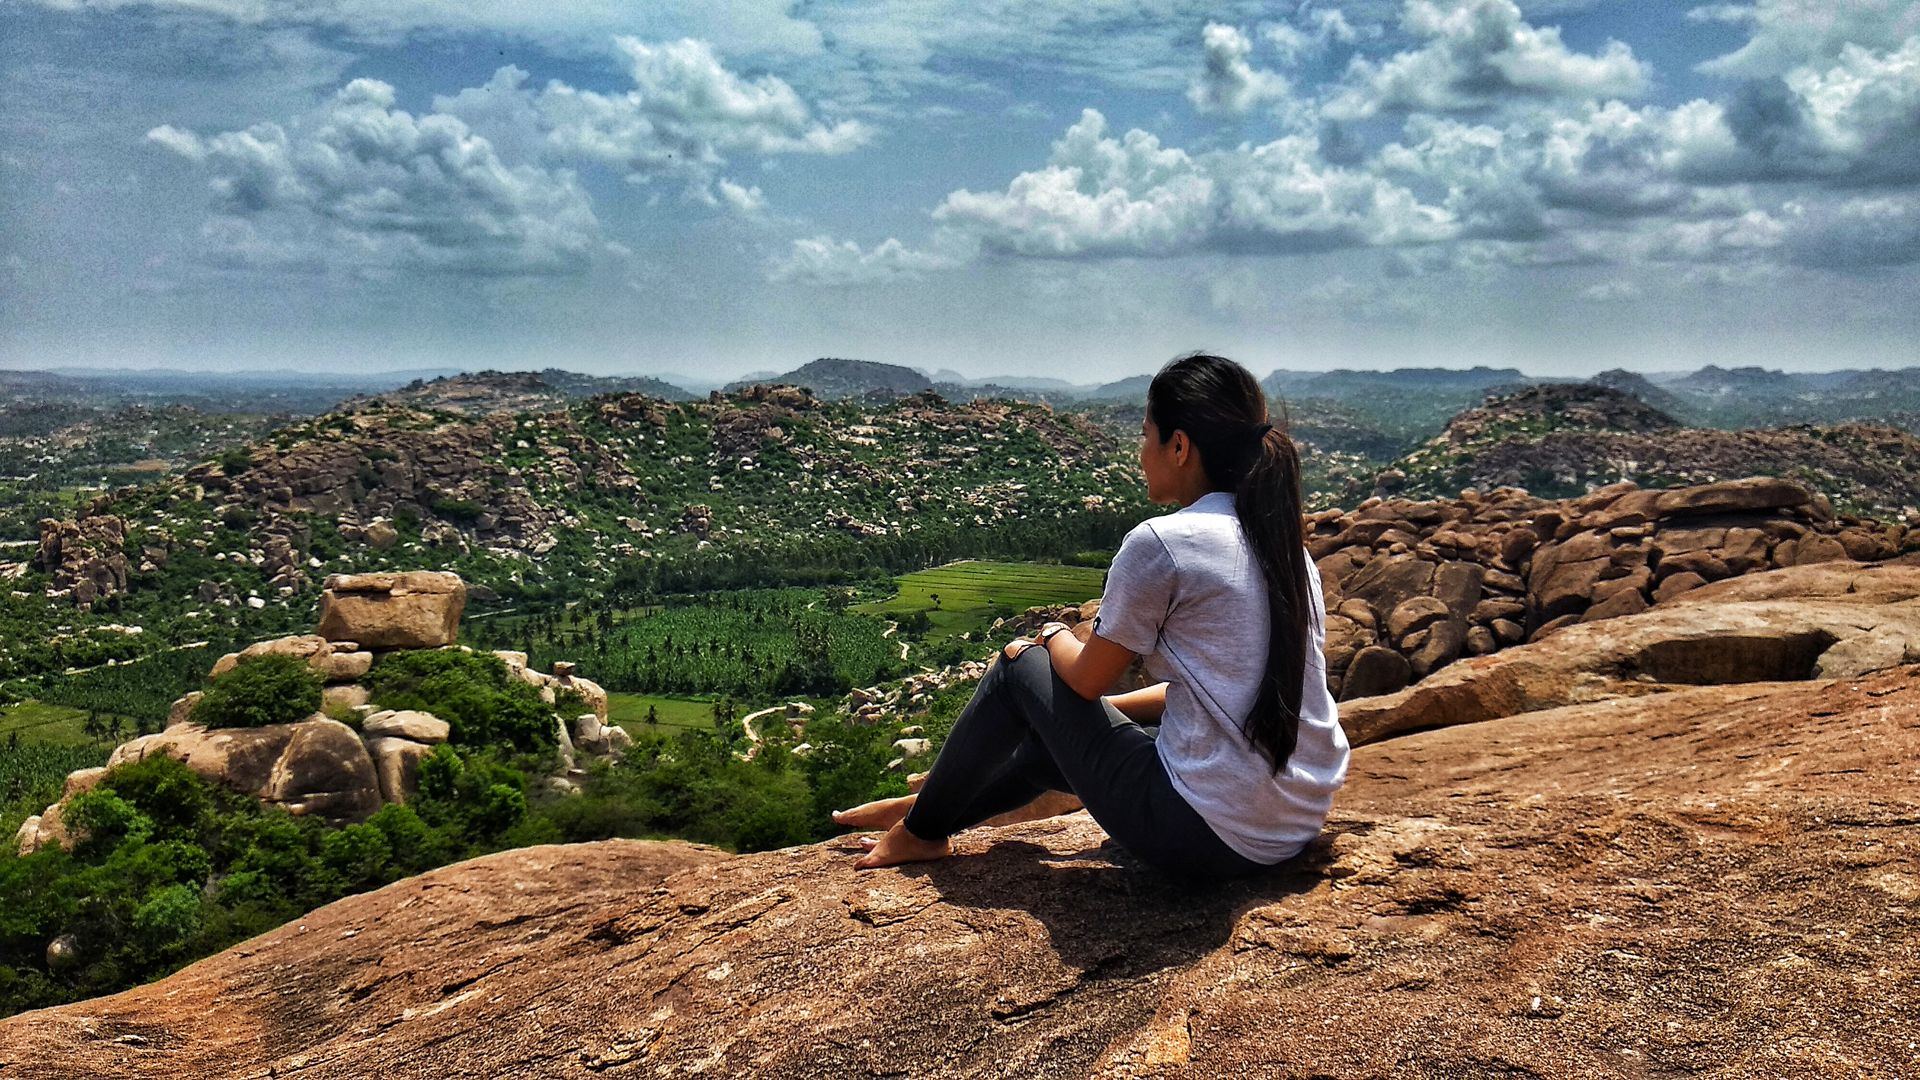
{"type": "Point", "coordinates": [1019, 645]}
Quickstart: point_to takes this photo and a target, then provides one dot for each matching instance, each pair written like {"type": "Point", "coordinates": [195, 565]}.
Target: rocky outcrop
{"type": "Point", "coordinates": [418, 609]}
{"type": "Point", "coordinates": [321, 765]}
{"type": "Point", "coordinates": [85, 557]}
{"type": "Point", "coordinates": [315, 766]}
{"type": "Point", "coordinates": [1837, 620]}
{"type": "Point", "coordinates": [1558, 440]}
{"type": "Point", "coordinates": [1720, 882]}
{"type": "Point", "coordinates": [1411, 587]}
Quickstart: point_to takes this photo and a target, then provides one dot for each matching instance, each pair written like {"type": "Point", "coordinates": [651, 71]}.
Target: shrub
{"type": "Point", "coordinates": [261, 690]}
{"type": "Point", "coordinates": [473, 692]}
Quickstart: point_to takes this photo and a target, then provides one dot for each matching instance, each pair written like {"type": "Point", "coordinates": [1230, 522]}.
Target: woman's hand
{"type": "Point", "coordinates": [1019, 645]}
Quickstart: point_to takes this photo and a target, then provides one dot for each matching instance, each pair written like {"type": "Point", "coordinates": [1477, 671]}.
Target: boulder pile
{"type": "Point", "coordinates": [1413, 586]}
{"type": "Point", "coordinates": [321, 765]}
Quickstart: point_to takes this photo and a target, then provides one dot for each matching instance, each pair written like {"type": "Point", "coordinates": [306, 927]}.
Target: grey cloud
{"type": "Point", "coordinates": [1857, 233]}
{"type": "Point", "coordinates": [361, 184]}
{"type": "Point", "coordinates": [1855, 123]}
{"type": "Point", "coordinates": [686, 117]}
{"type": "Point", "coordinates": [1793, 33]}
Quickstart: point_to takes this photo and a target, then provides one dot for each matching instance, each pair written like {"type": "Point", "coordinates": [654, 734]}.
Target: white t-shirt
{"type": "Point", "coordinates": [1186, 592]}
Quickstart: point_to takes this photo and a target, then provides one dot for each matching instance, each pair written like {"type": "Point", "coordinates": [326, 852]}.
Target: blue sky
{"type": "Point", "coordinates": [1076, 188]}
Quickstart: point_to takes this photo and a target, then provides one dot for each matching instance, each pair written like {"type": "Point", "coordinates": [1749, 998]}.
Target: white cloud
{"type": "Point", "coordinates": [1104, 196]}
{"type": "Point", "coordinates": [821, 260]}
{"type": "Point", "coordinates": [1610, 291]}
{"type": "Point", "coordinates": [1794, 33]}
{"type": "Point", "coordinates": [1227, 82]}
{"type": "Point", "coordinates": [1542, 174]}
{"type": "Point", "coordinates": [361, 184]}
{"type": "Point", "coordinates": [686, 117]}
{"type": "Point", "coordinates": [746, 200]}
{"type": "Point", "coordinates": [1478, 54]}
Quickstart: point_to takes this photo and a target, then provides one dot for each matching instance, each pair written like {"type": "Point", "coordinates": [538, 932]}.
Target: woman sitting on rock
{"type": "Point", "coordinates": [1241, 768]}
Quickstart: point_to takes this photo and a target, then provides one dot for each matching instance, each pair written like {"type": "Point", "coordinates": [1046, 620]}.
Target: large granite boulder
{"type": "Point", "coordinates": [314, 766]}
{"type": "Point", "coordinates": [418, 609]}
{"type": "Point", "coordinates": [317, 651]}
{"type": "Point", "coordinates": [396, 766]}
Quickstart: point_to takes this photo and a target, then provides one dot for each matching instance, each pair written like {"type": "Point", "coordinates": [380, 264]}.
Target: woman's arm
{"type": "Point", "coordinates": [1144, 705]}
{"type": "Point", "coordinates": [1089, 669]}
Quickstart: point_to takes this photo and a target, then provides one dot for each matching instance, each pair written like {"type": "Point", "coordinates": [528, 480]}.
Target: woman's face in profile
{"type": "Point", "coordinates": [1156, 461]}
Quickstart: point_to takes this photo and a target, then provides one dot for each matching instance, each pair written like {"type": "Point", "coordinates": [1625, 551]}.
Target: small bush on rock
{"type": "Point", "coordinates": [260, 690]}
{"type": "Point", "coordinates": [474, 693]}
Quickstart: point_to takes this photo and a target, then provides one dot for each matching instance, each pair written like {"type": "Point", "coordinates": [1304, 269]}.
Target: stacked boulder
{"type": "Point", "coordinates": [320, 765]}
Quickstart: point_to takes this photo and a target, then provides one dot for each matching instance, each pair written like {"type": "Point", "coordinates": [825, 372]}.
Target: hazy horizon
{"type": "Point", "coordinates": [1080, 191]}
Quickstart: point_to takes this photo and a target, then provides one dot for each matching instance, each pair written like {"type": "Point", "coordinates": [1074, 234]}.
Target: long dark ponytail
{"type": "Point", "coordinates": [1220, 406]}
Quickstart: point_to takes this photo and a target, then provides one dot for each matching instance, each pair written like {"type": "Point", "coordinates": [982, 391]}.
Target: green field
{"type": "Point", "coordinates": [966, 596]}
{"type": "Point", "coordinates": [59, 725]}
{"type": "Point", "coordinates": [630, 712]}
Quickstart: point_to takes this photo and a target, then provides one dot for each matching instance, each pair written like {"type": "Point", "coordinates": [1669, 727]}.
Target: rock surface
{"type": "Point", "coordinates": [417, 609]}
{"type": "Point", "coordinates": [1722, 884]}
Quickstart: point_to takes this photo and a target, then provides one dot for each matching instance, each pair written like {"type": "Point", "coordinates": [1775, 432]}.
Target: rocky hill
{"type": "Point", "coordinates": [1752, 396]}
{"type": "Point", "coordinates": [1683, 872]}
{"type": "Point", "coordinates": [482, 393]}
{"type": "Point", "coordinates": [836, 379]}
{"type": "Point", "coordinates": [768, 485]}
{"type": "Point", "coordinates": [1560, 440]}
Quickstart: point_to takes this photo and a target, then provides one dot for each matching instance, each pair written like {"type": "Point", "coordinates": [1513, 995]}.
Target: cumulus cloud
{"type": "Point", "coordinates": [1793, 33]}
{"type": "Point", "coordinates": [1855, 233]}
{"type": "Point", "coordinates": [1530, 177]}
{"type": "Point", "coordinates": [686, 117]}
{"type": "Point", "coordinates": [1228, 82]}
{"type": "Point", "coordinates": [1105, 196]}
{"type": "Point", "coordinates": [360, 183]}
{"type": "Point", "coordinates": [1324, 28]}
{"type": "Point", "coordinates": [1478, 54]}
{"type": "Point", "coordinates": [1856, 122]}
{"type": "Point", "coordinates": [821, 260]}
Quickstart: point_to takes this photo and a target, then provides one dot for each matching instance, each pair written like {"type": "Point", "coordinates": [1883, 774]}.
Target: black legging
{"type": "Point", "coordinates": [1026, 732]}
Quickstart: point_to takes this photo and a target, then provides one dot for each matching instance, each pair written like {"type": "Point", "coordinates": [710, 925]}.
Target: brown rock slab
{"type": "Point", "coordinates": [313, 648]}
{"type": "Point", "coordinates": [1733, 496]}
{"type": "Point", "coordinates": [420, 727]}
{"type": "Point", "coordinates": [418, 609]}
{"type": "Point", "coordinates": [1720, 881]}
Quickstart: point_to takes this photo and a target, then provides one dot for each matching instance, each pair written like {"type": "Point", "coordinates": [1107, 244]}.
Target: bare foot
{"type": "Point", "coordinates": [900, 846]}
{"type": "Point", "coordinates": [879, 814]}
